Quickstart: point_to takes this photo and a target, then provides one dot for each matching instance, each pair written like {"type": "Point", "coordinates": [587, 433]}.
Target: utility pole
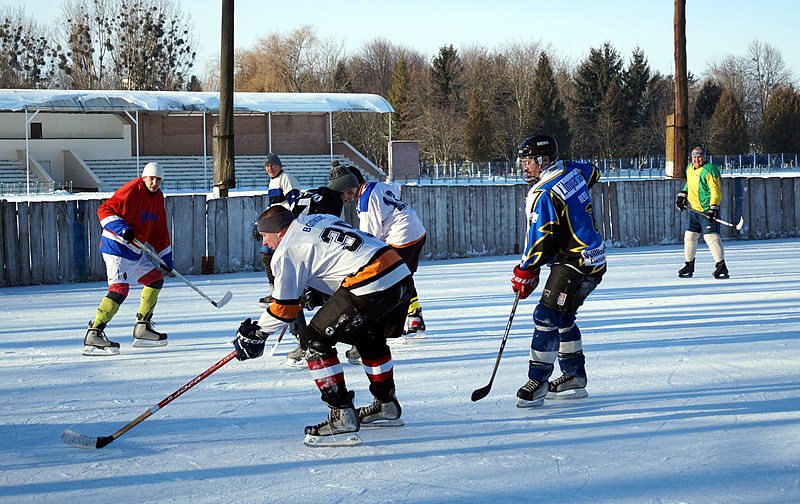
{"type": "Point", "coordinates": [681, 129]}
{"type": "Point", "coordinates": [224, 170]}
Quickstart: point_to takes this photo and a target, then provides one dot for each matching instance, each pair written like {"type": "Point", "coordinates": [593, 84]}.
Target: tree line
{"type": "Point", "coordinates": [466, 104]}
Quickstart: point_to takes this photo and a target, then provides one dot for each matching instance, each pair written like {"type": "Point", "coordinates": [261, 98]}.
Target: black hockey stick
{"type": "Point", "coordinates": [77, 440]}
{"type": "Point", "coordinates": [482, 392]}
{"type": "Point", "coordinates": [738, 225]}
{"type": "Point", "coordinates": [156, 259]}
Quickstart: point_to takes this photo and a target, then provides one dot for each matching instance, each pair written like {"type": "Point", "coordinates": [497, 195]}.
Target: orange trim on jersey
{"type": "Point", "coordinates": [284, 312]}
{"type": "Point", "coordinates": [379, 266]}
{"type": "Point", "coordinates": [411, 243]}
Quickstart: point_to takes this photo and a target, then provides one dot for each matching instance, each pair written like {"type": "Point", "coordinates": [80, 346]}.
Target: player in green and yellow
{"type": "Point", "coordinates": [702, 193]}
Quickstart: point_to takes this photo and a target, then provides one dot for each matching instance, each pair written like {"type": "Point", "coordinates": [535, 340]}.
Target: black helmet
{"type": "Point", "coordinates": [538, 146]}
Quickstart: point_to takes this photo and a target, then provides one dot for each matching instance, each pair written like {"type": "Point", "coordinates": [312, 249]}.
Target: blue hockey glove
{"type": "Point", "coordinates": [712, 213]}
{"type": "Point", "coordinates": [249, 342]}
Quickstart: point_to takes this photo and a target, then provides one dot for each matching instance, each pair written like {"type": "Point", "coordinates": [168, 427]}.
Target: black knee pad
{"type": "Point", "coordinates": [116, 297]}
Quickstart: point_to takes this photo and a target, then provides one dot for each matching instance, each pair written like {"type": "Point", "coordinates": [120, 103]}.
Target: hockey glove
{"type": "Point", "coordinates": [712, 213]}
{"type": "Point", "coordinates": [249, 342]}
{"type": "Point", "coordinates": [313, 298]}
{"type": "Point", "coordinates": [166, 268]}
{"type": "Point", "coordinates": [256, 234]}
{"type": "Point", "coordinates": [524, 281]}
{"type": "Point", "coordinates": [128, 235]}
{"type": "Point", "coordinates": [681, 202]}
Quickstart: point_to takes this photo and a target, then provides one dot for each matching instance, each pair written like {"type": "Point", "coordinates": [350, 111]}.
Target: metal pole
{"type": "Point", "coordinates": [330, 132]}
{"type": "Point", "coordinates": [138, 170]}
{"type": "Point", "coordinates": [27, 157]}
{"type": "Point", "coordinates": [269, 126]}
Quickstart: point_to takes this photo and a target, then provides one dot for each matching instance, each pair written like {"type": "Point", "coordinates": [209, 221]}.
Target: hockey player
{"type": "Point", "coordinates": [370, 287]}
{"type": "Point", "coordinates": [284, 189]}
{"type": "Point", "coordinates": [330, 199]}
{"type": "Point", "coordinates": [703, 193]}
{"type": "Point", "coordinates": [134, 211]}
{"type": "Point", "coordinates": [382, 214]}
{"type": "Point", "coordinates": [562, 234]}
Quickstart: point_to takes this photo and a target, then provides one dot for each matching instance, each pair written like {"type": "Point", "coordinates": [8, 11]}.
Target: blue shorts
{"type": "Point", "coordinates": [701, 224]}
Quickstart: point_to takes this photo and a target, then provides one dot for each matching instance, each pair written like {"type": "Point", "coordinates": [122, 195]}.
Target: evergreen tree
{"type": "Point", "coordinates": [609, 136]}
{"type": "Point", "coordinates": [400, 99]}
{"type": "Point", "coordinates": [547, 114]}
{"type": "Point", "coordinates": [703, 111]}
{"type": "Point", "coordinates": [634, 86]}
{"type": "Point", "coordinates": [446, 72]}
{"type": "Point", "coordinates": [341, 79]}
{"type": "Point", "coordinates": [478, 129]}
{"type": "Point", "coordinates": [591, 81]}
{"type": "Point", "coordinates": [728, 126]}
{"type": "Point", "coordinates": [780, 125]}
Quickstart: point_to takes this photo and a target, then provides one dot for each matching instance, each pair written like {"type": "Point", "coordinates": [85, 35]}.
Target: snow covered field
{"type": "Point", "coordinates": [694, 395]}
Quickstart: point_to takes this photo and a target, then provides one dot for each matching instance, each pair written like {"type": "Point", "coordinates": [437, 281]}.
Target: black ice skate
{"type": "Point", "coordinates": [145, 334]}
{"type": "Point", "coordinates": [381, 414]}
{"type": "Point", "coordinates": [567, 387]}
{"type": "Point", "coordinates": [95, 343]}
{"type": "Point", "coordinates": [265, 301]}
{"type": "Point", "coordinates": [337, 430]}
{"type": "Point", "coordinates": [531, 394]}
{"type": "Point", "coordinates": [721, 271]}
{"type": "Point", "coordinates": [688, 270]}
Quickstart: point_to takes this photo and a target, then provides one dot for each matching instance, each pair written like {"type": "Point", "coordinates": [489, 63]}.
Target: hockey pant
{"type": "Point", "coordinates": [556, 335]}
{"type": "Point", "coordinates": [364, 321]}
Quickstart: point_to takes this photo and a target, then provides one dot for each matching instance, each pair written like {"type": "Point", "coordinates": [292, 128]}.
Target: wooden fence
{"type": "Point", "coordinates": [57, 241]}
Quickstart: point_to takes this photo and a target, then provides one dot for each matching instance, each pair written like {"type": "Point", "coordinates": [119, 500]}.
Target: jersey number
{"type": "Point", "coordinates": [391, 200]}
{"type": "Point", "coordinates": [348, 239]}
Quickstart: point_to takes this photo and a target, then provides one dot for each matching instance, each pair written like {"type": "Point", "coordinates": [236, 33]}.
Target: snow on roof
{"type": "Point", "coordinates": [187, 101]}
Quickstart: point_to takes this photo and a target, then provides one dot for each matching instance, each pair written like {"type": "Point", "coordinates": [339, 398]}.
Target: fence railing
{"type": "Point", "coordinates": [58, 241]}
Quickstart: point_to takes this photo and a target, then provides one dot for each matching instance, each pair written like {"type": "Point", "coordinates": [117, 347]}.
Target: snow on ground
{"type": "Point", "coordinates": [694, 395]}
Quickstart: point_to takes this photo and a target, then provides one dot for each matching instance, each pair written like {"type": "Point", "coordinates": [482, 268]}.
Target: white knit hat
{"type": "Point", "coordinates": [153, 170]}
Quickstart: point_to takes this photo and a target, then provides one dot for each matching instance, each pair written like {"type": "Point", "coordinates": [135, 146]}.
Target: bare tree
{"type": "Point", "coordinates": [27, 58]}
{"type": "Point", "coordinates": [766, 73]}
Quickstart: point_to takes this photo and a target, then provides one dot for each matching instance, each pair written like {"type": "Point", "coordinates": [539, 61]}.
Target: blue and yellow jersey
{"type": "Point", "coordinates": [561, 226]}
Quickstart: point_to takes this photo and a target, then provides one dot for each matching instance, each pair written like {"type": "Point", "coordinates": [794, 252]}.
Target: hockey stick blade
{"type": "Point", "coordinates": [740, 224]}
{"type": "Point", "coordinates": [77, 440]}
{"type": "Point", "coordinates": [480, 393]}
{"type": "Point", "coordinates": [222, 302]}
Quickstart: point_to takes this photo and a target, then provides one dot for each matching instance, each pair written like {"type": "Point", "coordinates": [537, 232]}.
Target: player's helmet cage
{"type": "Point", "coordinates": [538, 146]}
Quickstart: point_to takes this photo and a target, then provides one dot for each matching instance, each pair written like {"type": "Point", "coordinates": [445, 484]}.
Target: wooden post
{"type": "Point", "coordinates": [681, 93]}
{"type": "Point", "coordinates": [224, 169]}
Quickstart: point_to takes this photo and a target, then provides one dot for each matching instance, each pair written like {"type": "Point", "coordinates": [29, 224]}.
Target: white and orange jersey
{"type": "Point", "coordinates": [381, 213]}
{"type": "Point", "coordinates": [324, 252]}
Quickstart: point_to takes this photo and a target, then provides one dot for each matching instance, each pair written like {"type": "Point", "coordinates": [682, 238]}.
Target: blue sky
{"type": "Point", "coordinates": [715, 28]}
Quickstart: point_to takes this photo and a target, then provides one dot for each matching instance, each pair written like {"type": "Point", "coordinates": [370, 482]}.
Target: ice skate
{"type": "Point", "coordinates": [415, 326]}
{"type": "Point", "coordinates": [688, 270]}
{"type": "Point", "coordinates": [95, 343]}
{"type": "Point", "coordinates": [145, 334]}
{"type": "Point", "coordinates": [567, 387]}
{"type": "Point", "coordinates": [381, 414]}
{"type": "Point", "coordinates": [531, 394]}
{"type": "Point", "coordinates": [296, 358]}
{"type": "Point", "coordinates": [353, 357]}
{"type": "Point", "coordinates": [265, 301]}
{"type": "Point", "coordinates": [337, 430]}
{"type": "Point", "coordinates": [721, 271]}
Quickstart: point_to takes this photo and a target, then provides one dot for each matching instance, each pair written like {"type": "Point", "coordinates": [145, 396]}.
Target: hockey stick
{"type": "Point", "coordinates": [156, 259]}
{"type": "Point", "coordinates": [482, 392]}
{"type": "Point", "coordinates": [77, 440]}
{"type": "Point", "coordinates": [738, 225]}
{"type": "Point", "coordinates": [278, 341]}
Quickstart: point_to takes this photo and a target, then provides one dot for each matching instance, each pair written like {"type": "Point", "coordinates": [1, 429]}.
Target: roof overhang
{"type": "Point", "coordinates": [17, 100]}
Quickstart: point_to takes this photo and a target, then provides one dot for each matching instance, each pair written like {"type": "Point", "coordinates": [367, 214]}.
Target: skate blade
{"type": "Point", "coordinates": [146, 343]}
{"type": "Point", "coordinates": [569, 394]}
{"type": "Point", "coordinates": [522, 403]}
{"type": "Point", "coordinates": [74, 439]}
{"type": "Point", "coordinates": [400, 340]}
{"type": "Point", "coordinates": [416, 335]}
{"type": "Point", "coordinates": [350, 439]}
{"type": "Point", "coordinates": [93, 351]}
{"type": "Point", "coordinates": [398, 422]}
{"type": "Point", "coordinates": [296, 363]}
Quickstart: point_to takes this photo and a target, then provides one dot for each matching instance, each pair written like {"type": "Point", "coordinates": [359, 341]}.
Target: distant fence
{"type": "Point", "coordinates": [57, 241]}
